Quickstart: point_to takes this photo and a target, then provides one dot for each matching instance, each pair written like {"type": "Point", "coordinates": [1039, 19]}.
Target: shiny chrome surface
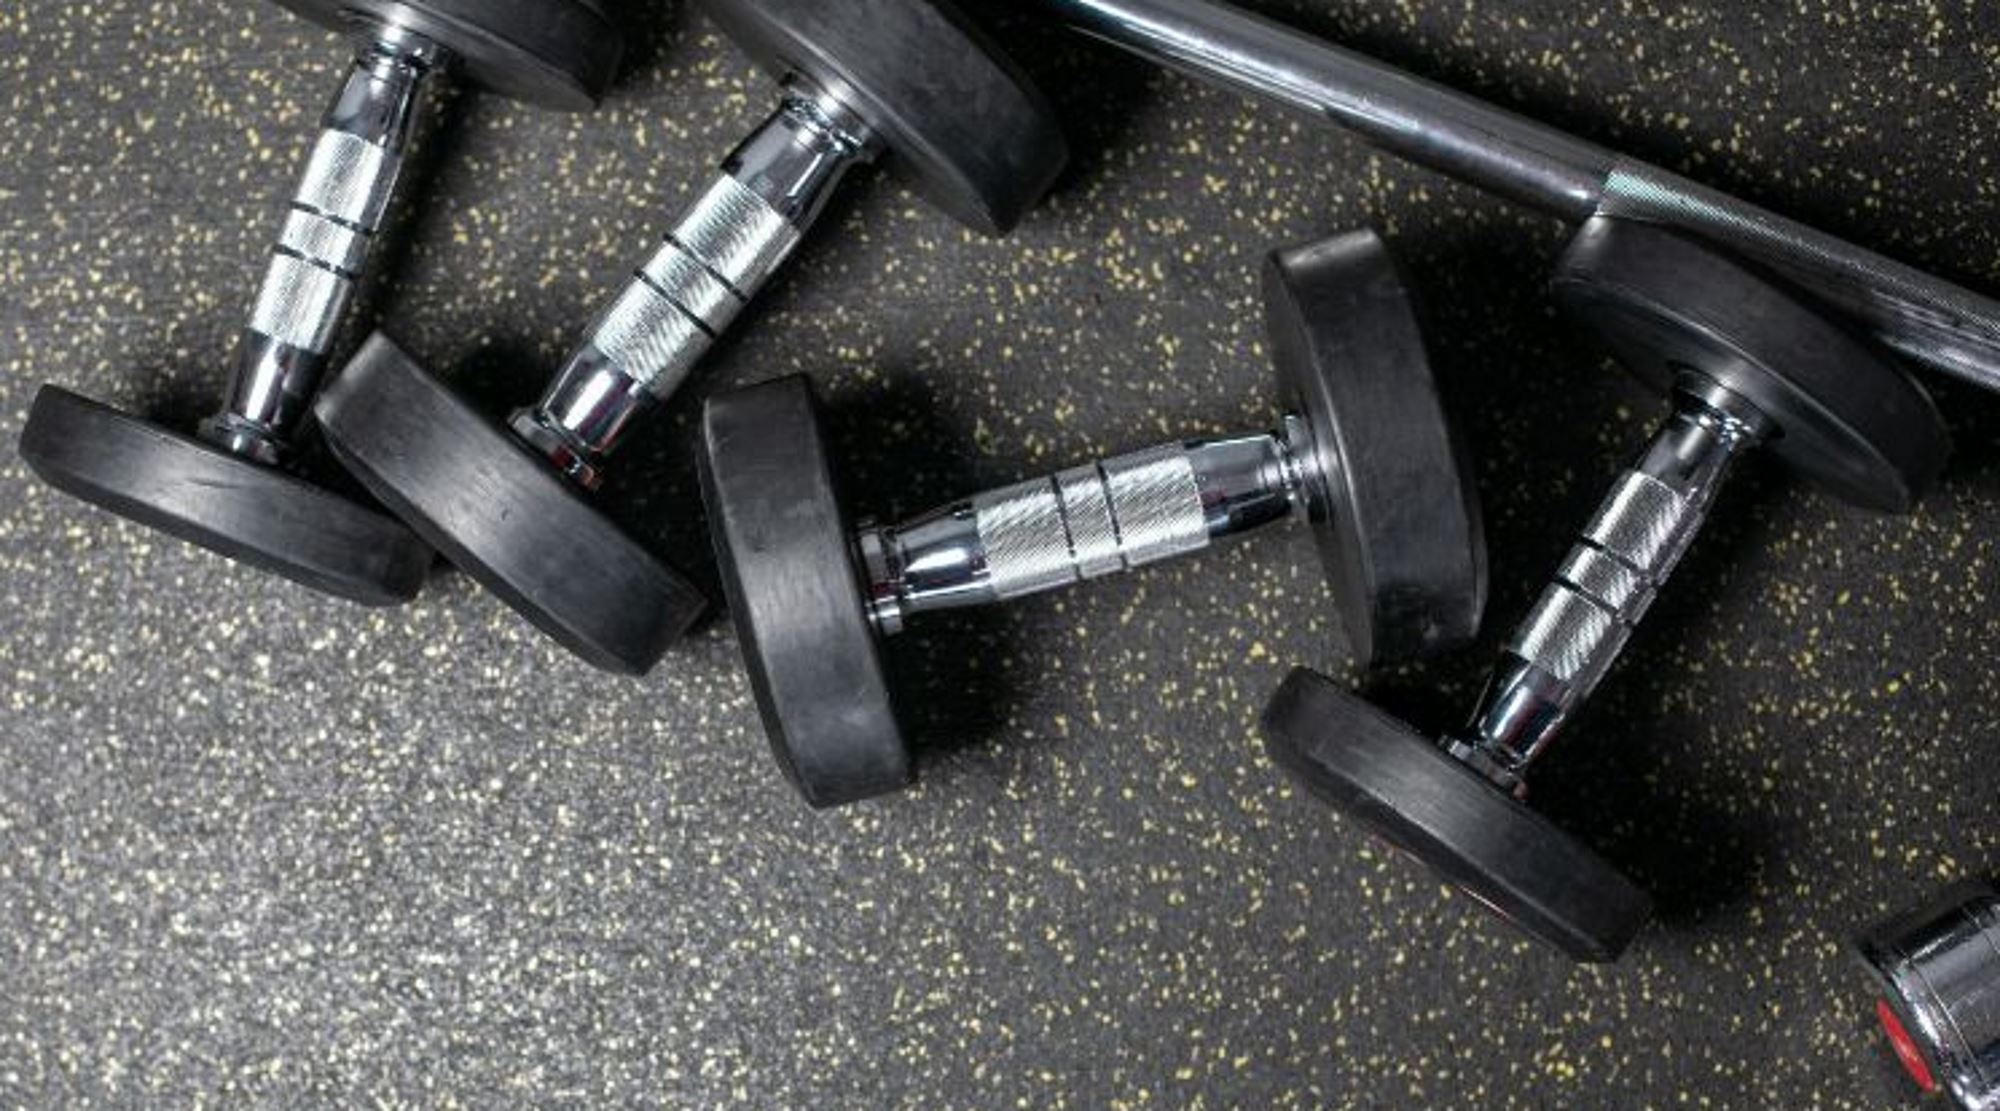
{"type": "Point", "coordinates": [1084, 523]}
{"type": "Point", "coordinates": [1555, 660]}
{"type": "Point", "coordinates": [1939, 969]}
{"type": "Point", "coordinates": [1403, 114]}
{"type": "Point", "coordinates": [323, 244]}
{"type": "Point", "coordinates": [740, 233]}
{"type": "Point", "coordinates": [1932, 321]}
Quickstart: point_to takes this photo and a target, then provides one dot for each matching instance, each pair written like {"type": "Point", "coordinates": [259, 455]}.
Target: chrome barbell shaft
{"type": "Point", "coordinates": [1924, 318]}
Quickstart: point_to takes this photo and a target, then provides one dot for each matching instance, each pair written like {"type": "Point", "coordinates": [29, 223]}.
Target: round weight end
{"type": "Point", "coordinates": [1411, 793]}
{"type": "Point", "coordinates": [251, 513]}
{"type": "Point", "coordinates": [1390, 489]}
{"type": "Point", "coordinates": [1937, 972]}
{"type": "Point", "coordinates": [1905, 1047]}
{"type": "Point", "coordinates": [1665, 304]}
{"type": "Point", "coordinates": [788, 569]}
{"type": "Point", "coordinates": [500, 514]}
{"type": "Point", "coordinates": [559, 54]}
{"type": "Point", "coordinates": [963, 122]}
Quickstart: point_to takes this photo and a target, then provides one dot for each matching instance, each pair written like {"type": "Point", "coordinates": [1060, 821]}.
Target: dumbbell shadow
{"type": "Point", "coordinates": [653, 26]}
{"type": "Point", "coordinates": [1975, 419]}
{"type": "Point", "coordinates": [959, 688]}
{"type": "Point", "coordinates": [1646, 784]}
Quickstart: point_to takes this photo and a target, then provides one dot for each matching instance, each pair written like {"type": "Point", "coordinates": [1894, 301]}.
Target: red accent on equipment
{"type": "Point", "coordinates": [1906, 1047]}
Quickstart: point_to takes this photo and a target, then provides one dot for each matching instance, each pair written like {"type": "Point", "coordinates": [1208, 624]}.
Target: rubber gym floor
{"type": "Point", "coordinates": [256, 847]}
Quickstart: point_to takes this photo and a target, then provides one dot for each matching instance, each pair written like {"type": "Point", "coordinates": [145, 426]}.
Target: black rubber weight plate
{"type": "Point", "coordinates": [555, 53]}
{"type": "Point", "coordinates": [1406, 789]}
{"type": "Point", "coordinates": [795, 593]}
{"type": "Point", "coordinates": [1847, 417]}
{"type": "Point", "coordinates": [505, 517]}
{"type": "Point", "coordinates": [958, 115]}
{"type": "Point", "coordinates": [1394, 506]}
{"type": "Point", "coordinates": [204, 495]}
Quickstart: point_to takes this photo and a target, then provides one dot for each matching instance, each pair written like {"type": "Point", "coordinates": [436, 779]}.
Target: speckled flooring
{"type": "Point", "coordinates": [258, 847]}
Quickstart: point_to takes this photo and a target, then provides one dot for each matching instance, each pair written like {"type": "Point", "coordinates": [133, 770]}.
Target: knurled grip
{"type": "Point", "coordinates": [1609, 580]}
{"type": "Point", "coordinates": [706, 271]}
{"type": "Point", "coordinates": [324, 242]}
{"type": "Point", "coordinates": [1091, 521]}
{"type": "Point", "coordinates": [1639, 535]}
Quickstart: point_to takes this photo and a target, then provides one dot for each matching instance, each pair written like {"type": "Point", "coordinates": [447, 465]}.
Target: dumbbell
{"type": "Point", "coordinates": [1365, 456]}
{"type": "Point", "coordinates": [1937, 972]}
{"type": "Point", "coordinates": [858, 79]}
{"type": "Point", "coordinates": [1746, 365]}
{"type": "Point", "coordinates": [233, 488]}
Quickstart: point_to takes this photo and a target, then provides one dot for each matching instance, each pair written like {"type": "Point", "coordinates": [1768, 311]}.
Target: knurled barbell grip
{"type": "Point", "coordinates": [323, 245]}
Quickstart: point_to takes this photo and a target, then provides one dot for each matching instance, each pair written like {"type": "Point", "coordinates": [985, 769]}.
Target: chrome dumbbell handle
{"type": "Point", "coordinates": [740, 233]}
{"type": "Point", "coordinates": [323, 247]}
{"type": "Point", "coordinates": [1557, 657]}
{"type": "Point", "coordinates": [1084, 523]}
